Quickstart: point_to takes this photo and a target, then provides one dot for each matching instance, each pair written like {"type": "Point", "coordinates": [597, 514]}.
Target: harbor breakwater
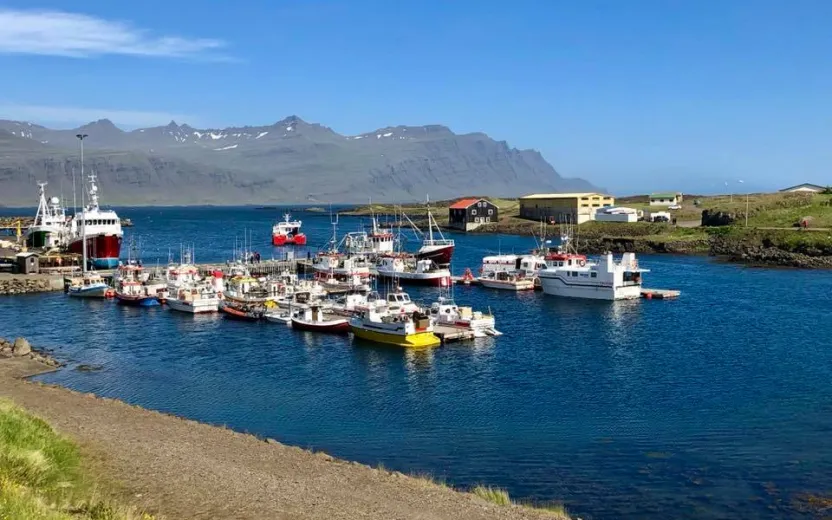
{"type": "Point", "coordinates": [29, 283]}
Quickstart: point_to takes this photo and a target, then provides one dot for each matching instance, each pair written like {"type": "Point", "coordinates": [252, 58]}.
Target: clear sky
{"type": "Point", "coordinates": [632, 95]}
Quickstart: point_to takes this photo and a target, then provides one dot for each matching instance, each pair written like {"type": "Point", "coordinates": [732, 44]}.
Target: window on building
{"type": "Point", "coordinates": [596, 205]}
{"type": "Point", "coordinates": [473, 212]}
{"type": "Point", "coordinates": [584, 205]}
{"type": "Point", "coordinates": [490, 211]}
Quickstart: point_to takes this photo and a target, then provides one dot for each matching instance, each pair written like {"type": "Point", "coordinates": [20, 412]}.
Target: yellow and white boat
{"type": "Point", "coordinates": [398, 325]}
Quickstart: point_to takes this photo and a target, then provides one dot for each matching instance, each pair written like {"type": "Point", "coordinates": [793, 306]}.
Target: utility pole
{"type": "Point", "coordinates": [746, 209]}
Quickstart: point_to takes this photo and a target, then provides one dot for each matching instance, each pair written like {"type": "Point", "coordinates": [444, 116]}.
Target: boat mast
{"type": "Point", "coordinates": [81, 138]}
{"type": "Point", "coordinates": [41, 213]}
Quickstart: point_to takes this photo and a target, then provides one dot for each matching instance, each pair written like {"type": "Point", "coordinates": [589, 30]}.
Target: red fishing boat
{"type": "Point", "coordinates": [288, 232]}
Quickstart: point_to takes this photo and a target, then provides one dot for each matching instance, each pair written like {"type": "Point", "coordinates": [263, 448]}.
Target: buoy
{"type": "Point", "coordinates": [649, 295]}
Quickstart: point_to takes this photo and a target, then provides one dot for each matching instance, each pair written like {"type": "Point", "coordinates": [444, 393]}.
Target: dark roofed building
{"type": "Point", "coordinates": [468, 214]}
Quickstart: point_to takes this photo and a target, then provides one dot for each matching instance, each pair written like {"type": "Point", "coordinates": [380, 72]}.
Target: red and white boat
{"type": "Point", "coordinates": [312, 318]}
{"type": "Point", "coordinates": [440, 250]}
{"type": "Point", "coordinates": [103, 232]}
{"type": "Point", "coordinates": [288, 232]}
{"type": "Point", "coordinates": [413, 271]}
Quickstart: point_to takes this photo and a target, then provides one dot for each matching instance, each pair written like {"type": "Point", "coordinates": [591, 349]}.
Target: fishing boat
{"type": "Point", "coordinates": [357, 301]}
{"type": "Point", "coordinates": [103, 233]}
{"type": "Point", "coordinates": [447, 313]}
{"type": "Point", "coordinates": [242, 311]}
{"type": "Point", "coordinates": [194, 299]}
{"type": "Point", "coordinates": [88, 285]}
{"type": "Point", "coordinates": [572, 275]}
{"type": "Point", "coordinates": [281, 316]}
{"type": "Point", "coordinates": [403, 330]}
{"type": "Point", "coordinates": [507, 281]}
{"type": "Point", "coordinates": [132, 287]}
{"type": "Point", "coordinates": [288, 232]}
{"type": "Point", "coordinates": [48, 230]}
{"type": "Point", "coordinates": [413, 271]}
{"type": "Point", "coordinates": [441, 249]}
{"type": "Point", "coordinates": [379, 241]}
{"type": "Point", "coordinates": [312, 318]}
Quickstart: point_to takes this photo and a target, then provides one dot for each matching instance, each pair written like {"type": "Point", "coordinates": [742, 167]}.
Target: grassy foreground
{"type": "Point", "coordinates": [42, 477]}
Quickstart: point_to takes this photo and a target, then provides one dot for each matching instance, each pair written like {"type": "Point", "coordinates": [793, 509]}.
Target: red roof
{"type": "Point", "coordinates": [464, 203]}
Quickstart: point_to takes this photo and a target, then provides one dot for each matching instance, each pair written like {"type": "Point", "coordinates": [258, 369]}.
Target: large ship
{"type": "Point", "coordinates": [48, 230]}
{"type": "Point", "coordinates": [103, 232]}
{"type": "Point", "coordinates": [288, 232]}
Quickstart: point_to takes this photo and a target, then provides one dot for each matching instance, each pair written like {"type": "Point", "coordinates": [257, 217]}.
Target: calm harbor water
{"type": "Point", "coordinates": [717, 405]}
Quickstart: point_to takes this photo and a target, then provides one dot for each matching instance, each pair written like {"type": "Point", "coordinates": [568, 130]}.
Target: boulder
{"type": "Point", "coordinates": [21, 347]}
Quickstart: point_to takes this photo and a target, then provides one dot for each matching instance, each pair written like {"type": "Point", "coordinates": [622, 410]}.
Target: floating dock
{"type": "Point", "coordinates": [660, 294]}
{"type": "Point", "coordinates": [461, 280]}
{"type": "Point", "coordinates": [451, 334]}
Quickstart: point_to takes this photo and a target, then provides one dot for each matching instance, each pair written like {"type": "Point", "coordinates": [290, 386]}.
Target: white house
{"type": "Point", "coordinates": [616, 215]}
{"type": "Point", "coordinates": [665, 199]}
{"type": "Point", "coordinates": [805, 187]}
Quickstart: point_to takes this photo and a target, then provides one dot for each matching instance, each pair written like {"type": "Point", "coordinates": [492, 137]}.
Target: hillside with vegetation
{"type": "Point", "coordinates": [788, 229]}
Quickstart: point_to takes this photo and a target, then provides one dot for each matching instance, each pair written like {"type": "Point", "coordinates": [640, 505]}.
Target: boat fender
{"type": "Point", "coordinates": [582, 263]}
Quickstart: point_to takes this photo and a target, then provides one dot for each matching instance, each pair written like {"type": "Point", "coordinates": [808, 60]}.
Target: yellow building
{"type": "Point", "coordinates": [575, 208]}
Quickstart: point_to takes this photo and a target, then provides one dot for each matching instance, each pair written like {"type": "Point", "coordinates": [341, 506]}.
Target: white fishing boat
{"type": "Point", "coordinates": [447, 313]}
{"type": "Point", "coordinates": [194, 298]}
{"type": "Point", "coordinates": [88, 285]}
{"type": "Point", "coordinates": [507, 281]}
{"type": "Point", "coordinates": [379, 241]}
{"type": "Point", "coordinates": [413, 271]}
{"type": "Point", "coordinates": [573, 275]}
{"type": "Point", "coordinates": [313, 318]}
{"type": "Point", "coordinates": [48, 230]}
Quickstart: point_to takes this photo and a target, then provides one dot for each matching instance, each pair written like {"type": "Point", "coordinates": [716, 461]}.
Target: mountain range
{"type": "Point", "coordinates": [291, 162]}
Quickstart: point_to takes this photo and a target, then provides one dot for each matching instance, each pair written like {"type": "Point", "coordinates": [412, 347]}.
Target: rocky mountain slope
{"type": "Point", "coordinates": [291, 161]}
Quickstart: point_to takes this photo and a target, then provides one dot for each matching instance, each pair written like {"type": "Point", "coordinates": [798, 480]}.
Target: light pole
{"type": "Point", "coordinates": [83, 212]}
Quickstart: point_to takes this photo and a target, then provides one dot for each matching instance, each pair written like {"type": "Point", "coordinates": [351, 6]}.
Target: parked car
{"type": "Point", "coordinates": [675, 206]}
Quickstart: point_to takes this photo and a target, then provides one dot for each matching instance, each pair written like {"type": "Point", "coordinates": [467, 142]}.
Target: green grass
{"type": "Point", "coordinates": [41, 474]}
{"type": "Point", "coordinates": [494, 495]}
{"type": "Point", "coordinates": [501, 498]}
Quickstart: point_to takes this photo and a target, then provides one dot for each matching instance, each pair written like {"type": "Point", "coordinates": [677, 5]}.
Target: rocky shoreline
{"type": "Point", "coordinates": [21, 348]}
{"type": "Point", "coordinates": [29, 283]}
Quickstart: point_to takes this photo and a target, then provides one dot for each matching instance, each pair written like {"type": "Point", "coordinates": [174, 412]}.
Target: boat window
{"type": "Point", "coordinates": [593, 274]}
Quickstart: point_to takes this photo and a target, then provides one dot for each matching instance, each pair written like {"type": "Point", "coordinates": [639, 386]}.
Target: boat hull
{"type": "Point", "coordinates": [102, 250]}
{"type": "Point", "coordinates": [237, 314]}
{"type": "Point", "coordinates": [410, 279]}
{"type": "Point", "coordinates": [197, 307]}
{"type": "Point", "coordinates": [285, 240]}
{"type": "Point", "coordinates": [42, 237]}
{"type": "Point", "coordinates": [137, 301]}
{"type": "Point", "coordinates": [330, 326]}
{"type": "Point", "coordinates": [91, 291]}
{"type": "Point", "coordinates": [417, 340]}
{"type": "Point", "coordinates": [556, 287]}
{"type": "Point", "coordinates": [441, 255]}
{"type": "Point", "coordinates": [525, 285]}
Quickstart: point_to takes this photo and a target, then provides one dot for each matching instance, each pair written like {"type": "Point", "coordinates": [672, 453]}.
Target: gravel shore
{"type": "Point", "coordinates": [189, 470]}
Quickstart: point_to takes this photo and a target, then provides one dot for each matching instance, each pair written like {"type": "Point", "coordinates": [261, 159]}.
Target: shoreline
{"type": "Point", "coordinates": [182, 468]}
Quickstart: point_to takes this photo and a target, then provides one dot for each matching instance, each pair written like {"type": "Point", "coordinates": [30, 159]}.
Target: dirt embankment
{"type": "Point", "coordinates": [185, 469]}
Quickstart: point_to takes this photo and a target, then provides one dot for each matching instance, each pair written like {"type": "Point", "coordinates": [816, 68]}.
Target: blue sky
{"type": "Point", "coordinates": [633, 96]}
